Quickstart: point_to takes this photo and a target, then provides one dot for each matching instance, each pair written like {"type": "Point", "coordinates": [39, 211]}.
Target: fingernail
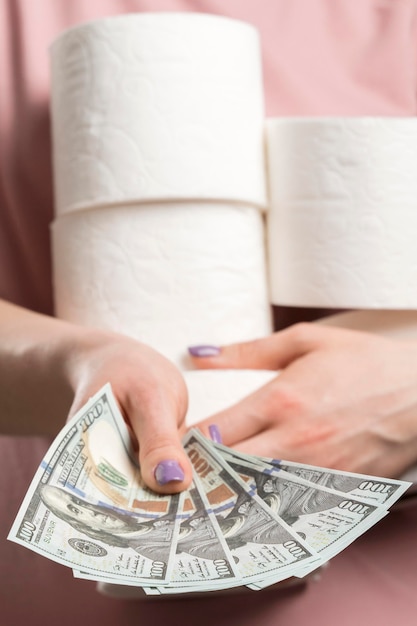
{"type": "Point", "coordinates": [215, 433]}
{"type": "Point", "coordinates": [204, 350]}
{"type": "Point", "coordinates": [168, 471]}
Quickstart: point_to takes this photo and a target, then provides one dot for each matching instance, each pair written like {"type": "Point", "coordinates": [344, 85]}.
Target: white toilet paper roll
{"type": "Point", "coordinates": [211, 391]}
{"type": "Point", "coordinates": [169, 275]}
{"type": "Point", "coordinates": [157, 106]}
{"type": "Point", "coordinates": [343, 216]}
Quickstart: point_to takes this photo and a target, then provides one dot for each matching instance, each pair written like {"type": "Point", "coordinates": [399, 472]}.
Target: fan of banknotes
{"type": "Point", "coordinates": [244, 521]}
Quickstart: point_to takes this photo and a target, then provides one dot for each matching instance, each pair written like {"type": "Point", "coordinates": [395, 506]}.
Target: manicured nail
{"type": "Point", "coordinates": [204, 351]}
{"type": "Point", "coordinates": [215, 433]}
{"type": "Point", "coordinates": [168, 471]}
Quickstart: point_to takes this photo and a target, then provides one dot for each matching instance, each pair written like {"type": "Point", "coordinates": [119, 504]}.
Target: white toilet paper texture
{"type": "Point", "coordinates": [212, 391]}
{"type": "Point", "coordinates": [157, 106]}
{"type": "Point", "coordinates": [168, 275]}
{"type": "Point", "coordinates": [343, 219]}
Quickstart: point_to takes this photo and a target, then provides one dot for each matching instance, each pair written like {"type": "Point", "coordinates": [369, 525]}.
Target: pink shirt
{"type": "Point", "coordinates": [320, 57]}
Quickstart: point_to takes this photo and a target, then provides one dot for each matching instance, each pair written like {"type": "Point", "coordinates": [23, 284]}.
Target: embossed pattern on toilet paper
{"type": "Point", "coordinates": [157, 106]}
{"type": "Point", "coordinates": [212, 391]}
{"type": "Point", "coordinates": [343, 220]}
{"type": "Point", "coordinates": [169, 275]}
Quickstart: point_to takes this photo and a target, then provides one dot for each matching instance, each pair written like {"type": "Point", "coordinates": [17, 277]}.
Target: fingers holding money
{"type": "Point", "coordinates": [152, 396]}
{"type": "Point", "coordinates": [164, 465]}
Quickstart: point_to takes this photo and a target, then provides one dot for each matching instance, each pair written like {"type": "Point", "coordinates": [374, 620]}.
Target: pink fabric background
{"type": "Point", "coordinates": [321, 57]}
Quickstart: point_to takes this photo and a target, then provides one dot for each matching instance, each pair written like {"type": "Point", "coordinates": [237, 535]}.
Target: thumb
{"type": "Point", "coordinates": [272, 352]}
{"type": "Point", "coordinates": [165, 467]}
{"type": "Point", "coordinates": [152, 416]}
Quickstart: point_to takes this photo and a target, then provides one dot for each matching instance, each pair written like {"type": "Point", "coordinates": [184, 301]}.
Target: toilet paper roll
{"type": "Point", "coordinates": [169, 276]}
{"type": "Point", "coordinates": [211, 391]}
{"type": "Point", "coordinates": [343, 217]}
{"type": "Point", "coordinates": [157, 106]}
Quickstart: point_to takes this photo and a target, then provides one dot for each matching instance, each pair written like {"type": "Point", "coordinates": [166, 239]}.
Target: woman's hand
{"type": "Point", "coordinates": [151, 394]}
{"type": "Point", "coordinates": [343, 399]}
{"type": "Point", "coordinates": [49, 368]}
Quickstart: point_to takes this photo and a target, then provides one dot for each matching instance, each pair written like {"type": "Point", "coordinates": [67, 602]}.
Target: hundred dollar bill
{"type": "Point", "coordinates": [260, 542]}
{"type": "Point", "coordinates": [327, 519]}
{"type": "Point", "coordinates": [375, 489]}
{"type": "Point", "coordinates": [88, 508]}
{"type": "Point", "coordinates": [202, 556]}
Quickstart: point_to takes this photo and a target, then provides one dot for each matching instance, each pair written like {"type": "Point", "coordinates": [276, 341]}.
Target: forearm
{"type": "Point", "coordinates": [35, 390]}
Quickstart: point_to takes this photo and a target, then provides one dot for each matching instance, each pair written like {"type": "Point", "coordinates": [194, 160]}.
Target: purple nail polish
{"type": "Point", "coordinates": [204, 350]}
{"type": "Point", "coordinates": [215, 433]}
{"type": "Point", "coordinates": [168, 471]}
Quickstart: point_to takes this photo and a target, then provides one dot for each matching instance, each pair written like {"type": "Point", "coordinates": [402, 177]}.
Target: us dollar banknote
{"type": "Point", "coordinates": [203, 561]}
{"type": "Point", "coordinates": [327, 519]}
{"type": "Point", "coordinates": [202, 558]}
{"type": "Point", "coordinates": [375, 489]}
{"type": "Point", "coordinates": [88, 508]}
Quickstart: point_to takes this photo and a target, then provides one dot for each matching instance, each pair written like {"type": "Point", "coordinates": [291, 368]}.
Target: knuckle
{"type": "Point", "coordinates": [284, 401]}
{"type": "Point", "coordinates": [158, 446]}
{"type": "Point", "coordinates": [301, 333]}
{"type": "Point", "coordinates": [149, 400]}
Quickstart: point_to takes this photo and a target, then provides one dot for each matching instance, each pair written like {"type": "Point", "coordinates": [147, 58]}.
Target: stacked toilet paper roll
{"type": "Point", "coordinates": [160, 106]}
{"type": "Point", "coordinates": [212, 391]}
{"type": "Point", "coordinates": [160, 184]}
{"type": "Point", "coordinates": [343, 218]}
{"type": "Point", "coordinates": [169, 275]}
